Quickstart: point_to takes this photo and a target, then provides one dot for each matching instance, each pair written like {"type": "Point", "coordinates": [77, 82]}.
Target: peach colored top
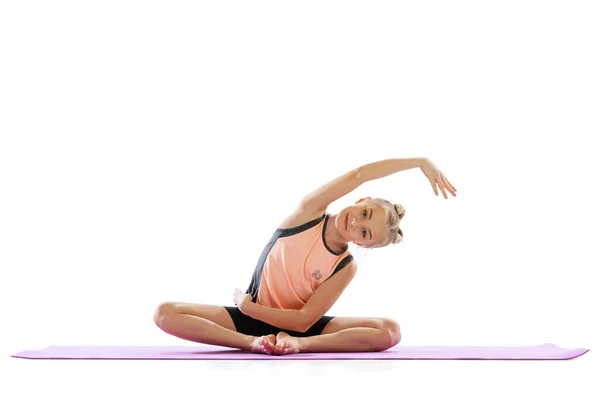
{"type": "Point", "coordinates": [293, 265]}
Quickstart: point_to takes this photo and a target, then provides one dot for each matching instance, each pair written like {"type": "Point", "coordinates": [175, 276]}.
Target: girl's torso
{"type": "Point", "coordinates": [296, 261]}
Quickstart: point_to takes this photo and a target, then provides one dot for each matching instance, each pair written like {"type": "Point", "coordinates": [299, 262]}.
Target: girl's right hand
{"type": "Point", "coordinates": [437, 179]}
{"type": "Point", "coordinates": [241, 299]}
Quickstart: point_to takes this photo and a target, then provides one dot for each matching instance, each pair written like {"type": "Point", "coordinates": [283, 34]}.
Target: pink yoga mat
{"type": "Point", "coordinates": [546, 351]}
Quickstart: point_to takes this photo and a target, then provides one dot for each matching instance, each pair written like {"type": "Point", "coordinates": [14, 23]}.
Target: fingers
{"type": "Point", "coordinates": [442, 187]}
{"type": "Point", "coordinates": [438, 181]}
{"type": "Point", "coordinates": [449, 186]}
{"type": "Point", "coordinates": [443, 184]}
{"type": "Point", "coordinates": [433, 185]}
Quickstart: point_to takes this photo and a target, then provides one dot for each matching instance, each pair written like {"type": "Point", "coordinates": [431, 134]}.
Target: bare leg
{"type": "Point", "coordinates": [208, 324]}
{"type": "Point", "coordinates": [344, 335]}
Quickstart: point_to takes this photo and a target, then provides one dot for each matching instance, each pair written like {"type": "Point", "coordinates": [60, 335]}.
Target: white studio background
{"type": "Point", "coordinates": [149, 149]}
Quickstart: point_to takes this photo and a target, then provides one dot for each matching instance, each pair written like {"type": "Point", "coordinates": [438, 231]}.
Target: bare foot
{"type": "Point", "coordinates": [286, 344]}
{"type": "Point", "coordinates": [263, 344]}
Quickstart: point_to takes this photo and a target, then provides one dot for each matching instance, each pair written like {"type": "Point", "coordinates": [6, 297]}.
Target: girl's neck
{"type": "Point", "coordinates": [333, 237]}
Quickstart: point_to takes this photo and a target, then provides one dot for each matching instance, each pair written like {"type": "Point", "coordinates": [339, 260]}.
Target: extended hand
{"type": "Point", "coordinates": [241, 299]}
{"type": "Point", "coordinates": [437, 179]}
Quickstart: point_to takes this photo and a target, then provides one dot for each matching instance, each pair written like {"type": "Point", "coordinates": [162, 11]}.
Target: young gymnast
{"type": "Point", "coordinates": [302, 272]}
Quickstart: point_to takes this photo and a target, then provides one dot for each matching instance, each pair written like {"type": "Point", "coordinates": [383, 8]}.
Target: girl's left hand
{"type": "Point", "coordinates": [241, 299]}
{"type": "Point", "coordinates": [437, 179]}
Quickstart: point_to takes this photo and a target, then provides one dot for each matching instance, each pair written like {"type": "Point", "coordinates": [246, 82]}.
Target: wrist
{"type": "Point", "coordinates": [421, 161]}
{"type": "Point", "coordinates": [246, 308]}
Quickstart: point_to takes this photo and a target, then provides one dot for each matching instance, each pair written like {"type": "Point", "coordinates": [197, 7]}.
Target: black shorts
{"type": "Point", "coordinates": [250, 326]}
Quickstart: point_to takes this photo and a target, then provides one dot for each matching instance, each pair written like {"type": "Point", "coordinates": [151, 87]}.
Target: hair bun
{"type": "Point", "coordinates": [399, 209]}
{"type": "Point", "coordinates": [398, 238]}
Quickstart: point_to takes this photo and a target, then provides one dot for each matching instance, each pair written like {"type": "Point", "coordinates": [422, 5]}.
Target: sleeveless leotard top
{"type": "Point", "coordinates": [293, 265]}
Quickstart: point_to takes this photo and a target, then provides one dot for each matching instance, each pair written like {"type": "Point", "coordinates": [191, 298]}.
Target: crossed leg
{"type": "Point", "coordinates": [209, 324]}
{"type": "Point", "coordinates": [344, 334]}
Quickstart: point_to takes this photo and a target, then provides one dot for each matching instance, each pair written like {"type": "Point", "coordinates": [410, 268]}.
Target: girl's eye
{"type": "Point", "coordinates": [365, 213]}
{"type": "Point", "coordinates": [364, 233]}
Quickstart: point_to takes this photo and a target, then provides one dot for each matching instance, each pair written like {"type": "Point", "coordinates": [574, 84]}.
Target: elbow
{"type": "Point", "coordinates": [304, 322]}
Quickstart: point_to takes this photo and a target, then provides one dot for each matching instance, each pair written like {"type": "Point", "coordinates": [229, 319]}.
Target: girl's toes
{"type": "Point", "coordinates": [281, 349]}
{"type": "Point", "coordinates": [268, 348]}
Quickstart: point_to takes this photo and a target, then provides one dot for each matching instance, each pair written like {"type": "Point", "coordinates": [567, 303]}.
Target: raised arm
{"type": "Point", "coordinates": [320, 199]}
{"type": "Point", "coordinates": [383, 168]}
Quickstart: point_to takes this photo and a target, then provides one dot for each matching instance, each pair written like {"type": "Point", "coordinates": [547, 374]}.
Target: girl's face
{"type": "Point", "coordinates": [363, 223]}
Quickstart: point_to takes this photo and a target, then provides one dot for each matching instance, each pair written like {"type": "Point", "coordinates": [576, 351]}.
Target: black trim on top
{"type": "Point", "coordinates": [284, 232]}
{"type": "Point", "coordinates": [342, 264]}
{"type": "Point", "coordinates": [325, 243]}
{"type": "Point", "coordinates": [279, 233]}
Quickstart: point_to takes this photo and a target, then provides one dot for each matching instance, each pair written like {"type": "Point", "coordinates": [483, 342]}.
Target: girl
{"type": "Point", "coordinates": [301, 273]}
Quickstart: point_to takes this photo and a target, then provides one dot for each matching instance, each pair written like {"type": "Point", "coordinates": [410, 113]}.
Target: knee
{"type": "Point", "coordinates": [391, 333]}
{"type": "Point", "coordinates": [163, 310]}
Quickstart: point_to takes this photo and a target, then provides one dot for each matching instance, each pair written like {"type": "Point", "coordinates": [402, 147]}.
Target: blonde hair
{"type": "Point", "coordinates": [395, 213]}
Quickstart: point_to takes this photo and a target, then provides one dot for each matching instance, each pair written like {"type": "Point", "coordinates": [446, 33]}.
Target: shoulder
{"type": "Point", "coordinates": [340, 279]}
{"type": "Point", "coordinates": [300, 216]}
{"type": "Point", "coordinates": [350, 267]}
